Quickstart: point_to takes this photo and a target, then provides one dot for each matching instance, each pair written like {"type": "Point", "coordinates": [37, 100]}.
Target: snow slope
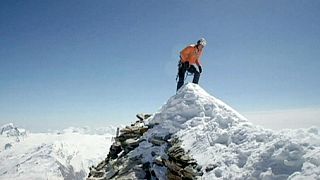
{"type": "Point", "coordinates": [217, 136]}
{"type": "Point", "coordinates": [60, 155]}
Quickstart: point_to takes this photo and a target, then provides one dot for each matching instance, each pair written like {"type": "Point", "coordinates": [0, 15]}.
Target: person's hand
{"type": "Point", "coordinates": [200, 69]}
{"type": "Point", "coordinates": [187, 65]}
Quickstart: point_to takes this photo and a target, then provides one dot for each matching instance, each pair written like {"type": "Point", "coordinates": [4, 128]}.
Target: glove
{"type": "Point", "coordinates": [186, 65]}
{"type": "Point", "coordinates": [200, 69]}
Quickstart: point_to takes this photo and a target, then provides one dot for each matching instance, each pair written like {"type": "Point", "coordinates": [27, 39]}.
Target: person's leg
{"type": "Point", "coordinates": [196, 77]}
{"type": "Point", "coordinates": [196, 74]}
{"type": "Point", "coordinates": [181, 73]}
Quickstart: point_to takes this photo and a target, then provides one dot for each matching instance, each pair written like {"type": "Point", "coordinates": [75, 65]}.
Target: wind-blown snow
{"type": "Point", "coordinates": [61, 155]}
{"type": "Point", "coordinates": [215, 134]}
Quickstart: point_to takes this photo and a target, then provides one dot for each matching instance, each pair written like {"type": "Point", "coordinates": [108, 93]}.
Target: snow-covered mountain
{"type": "Point", "coordinates": [224, 144]}
{"type": "Point", "coordinates": [217, 135]}
{"type": "Point", "coordinates": [10, 130]}
{"type": "Point", "coordinates": [65, 154]}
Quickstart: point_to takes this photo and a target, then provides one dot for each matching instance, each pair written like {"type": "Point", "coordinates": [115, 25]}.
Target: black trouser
{"type": "Point", "coordinates": [182, 71]}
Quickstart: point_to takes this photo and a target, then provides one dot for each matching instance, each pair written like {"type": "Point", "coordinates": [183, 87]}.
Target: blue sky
{"type": "Point", "coordinates": [80, 63]}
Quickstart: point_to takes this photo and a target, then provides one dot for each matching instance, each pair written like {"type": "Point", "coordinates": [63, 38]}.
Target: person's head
{"type": "Point", "coordinates": [201, 43]}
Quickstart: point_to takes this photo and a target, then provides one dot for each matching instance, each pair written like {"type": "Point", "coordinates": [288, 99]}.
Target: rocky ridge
{"type": "Point", "coordinates": [124, 161]}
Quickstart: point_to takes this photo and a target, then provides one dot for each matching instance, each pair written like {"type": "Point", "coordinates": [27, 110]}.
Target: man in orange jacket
{"type": "Point", "coordinates": [190, 61]}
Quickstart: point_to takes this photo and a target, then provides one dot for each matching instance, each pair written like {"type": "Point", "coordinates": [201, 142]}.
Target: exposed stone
{"type": "Point", "coordinates": [127, 165]}
{"type": "Point", "coordinates": [151, 125]}
{"type": "Point", "coordinates": [153, 153]}
{"type": "Point", "coordinates": [7, 146]}
{"type": "Point", "coordinates": [132, 142]}
{"type": "Point", "coordinates": [115, 149]}
{"type": "Point", "coordinates": [173, 167]}
{"type": "Point", "coordinates": [97, 174]}
{"type": "Point", "coordinates": [173, 176]}
{"type": "Point", "coordinates": [189, 172]}
{"type": "Point", "coordinates": [111, 173]}
{"type": "Point", "coordinates": [135, 173]}
{"type": "Point", "coordinates": [101, 165]}
{"type": "Point", "coordinates": [146, 168]}
{"type": "Point", "coordinates": [157, 142]}
{"type": "Point", "coordinates": [142, 116]}
{"type": "Point", "coordinates": [198, 167]}
{"type": "Point", "coordinates": [210, 167]}
{"type": "Point", "coordinates": [158, 161]}
{"type": "Point", "coordinates": [143, 130]}
{"type": "Point", "coordinates": [175, 162]}
{"type": "Point", "coordinates": [126, 136]}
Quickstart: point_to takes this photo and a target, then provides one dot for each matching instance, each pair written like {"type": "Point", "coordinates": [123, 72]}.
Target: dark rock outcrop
{"type": "Point", "coordinates": [175, 164]}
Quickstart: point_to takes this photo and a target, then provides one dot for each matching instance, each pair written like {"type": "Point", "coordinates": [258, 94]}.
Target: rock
{"type": "Point", "coordinates": [156, 142]}
{"type": "Point", "coordinates": [175, 150]}
{"type": "Point", "coordinates": [210, 167]}
{"type": "Point", "coordinates": [143, 130]}
{"type": "Point", "coordinates": [135, 173]}
{"type": "Point", "coordinates": [7, 146]}
{"type": "Point", "coordinates": [111, 173]}
{"type": "Point", "coordinates": [173, 176]}
{"type": "Point", "coordinates": [175, 163]}
{"type": "Point", "coordinates": [133, 129]}
{"type": "Point", "coordinates": [153, 153]}
{"type": "Point", "coordinates": [184, 159]}
{"type": "Point", "coordinates": [158, 161]}
{"type": "Point", "coordinates": [189, 172]}
{"type": "Point", "coordinates": [115, 149]}
{"type": "Point", "coordinates": [97, 174]}
{"type": "Point", "coordinates": [198, 167]}
{"type": "Point", "coordinates": [101, 165]}
{"type": "Point", "coordinates": [173, 167]}
{"type": "Point", "coordinates": [126, 166]}
{"type": "Point", "coordinates": [126, 136]}
{"type": "Point", "coordinates": [142, 116]}
{"type": "Point", "coordinates": [146, 168]}
{"type": "Point", "coordinates": [132, 142]}
{"type": "Point", "coordinates": [151, 125]}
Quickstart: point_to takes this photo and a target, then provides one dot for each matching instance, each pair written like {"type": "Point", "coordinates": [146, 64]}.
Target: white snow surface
{"type": "Point", "coordinates": [56, 155]}
{"type": "Point", "coordinates": [215, 134]}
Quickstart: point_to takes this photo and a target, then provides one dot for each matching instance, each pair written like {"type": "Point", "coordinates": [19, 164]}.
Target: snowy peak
{"type": "Point", "coordinates": [10, 130]}
{"type": "Point", "coordinates": [221, 143]}
{"type": "Point", "coordinates": [193, 103]}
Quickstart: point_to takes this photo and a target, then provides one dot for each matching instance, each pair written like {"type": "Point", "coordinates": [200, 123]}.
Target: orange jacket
{"type": "Point", "coordinates": [191, 54]}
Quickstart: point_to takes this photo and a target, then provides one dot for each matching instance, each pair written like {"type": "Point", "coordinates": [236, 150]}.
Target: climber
{"type": "Point", "coordinates": [190, 62]}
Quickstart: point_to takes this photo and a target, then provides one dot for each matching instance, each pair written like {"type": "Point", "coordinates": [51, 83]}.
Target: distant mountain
{"type": "Point", "coordinates": [11, 130]}
{"type": "Point", "coordinates": [65, 154]}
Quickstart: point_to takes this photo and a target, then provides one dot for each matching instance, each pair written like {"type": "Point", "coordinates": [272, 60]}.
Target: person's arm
{"type": "Point", "coordinates": [198, 62]}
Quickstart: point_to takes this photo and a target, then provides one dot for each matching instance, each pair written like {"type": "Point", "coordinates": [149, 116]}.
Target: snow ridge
{"type": "Point", "coordinates": [218, 136]}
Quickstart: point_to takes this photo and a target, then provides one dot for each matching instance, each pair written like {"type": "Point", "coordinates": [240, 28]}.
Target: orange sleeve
{"type": "Point", "coordinates": [185, 53]}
